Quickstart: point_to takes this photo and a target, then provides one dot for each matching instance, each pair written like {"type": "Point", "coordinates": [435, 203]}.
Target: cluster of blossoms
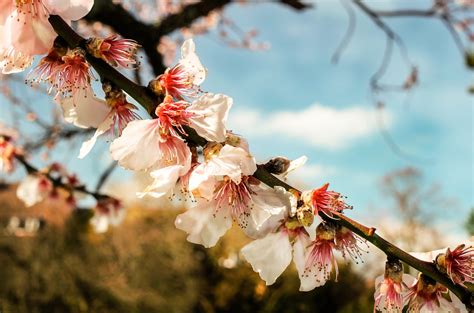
{"type": "Point", "coordinates": [396, 290]}
{"type": "Point", "coordinates": [54, 183]}
{"type": "Point", "coordinates": [216, 180]}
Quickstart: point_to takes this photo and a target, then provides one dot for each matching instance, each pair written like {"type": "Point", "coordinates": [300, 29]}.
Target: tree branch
{"type": "Point", "coordinates": [261, 174]}
{"type": "Point", "coordinates": [57, 181]}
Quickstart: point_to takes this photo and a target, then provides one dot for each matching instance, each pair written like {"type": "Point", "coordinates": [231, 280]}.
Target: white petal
{"type": "Point", "coordinates": [269, 256]}
{"type": "Point", "coordinates": [267, 202]}
{"type": "Point", "coordinates": [164, 181]}
{"type": "Point", "coordinates": [203, 224]}
{"type": "Point", "coordinates": [233, 162]}
{"type": "Point", "coordinates": [138, 146]}
{"type": "Point", "coordinates": [102, 129]}
{"type": "Point", "coordinates": [69, 9]}
{"type": "Point", "coordinates": [210, 115]}
{"type": "Point", "coordinates": [201, 182]}
{"type": "Point", "coordinates": [83, 109]}
{"type": "Point", "coordinates": [190, 61]}
{"type": "Point", "coordinates": [300, 253]}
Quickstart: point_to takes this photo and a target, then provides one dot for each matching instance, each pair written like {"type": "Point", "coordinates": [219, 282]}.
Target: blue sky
{"type": "Point", "coordinates": [434, 123]}
{"type": "Point", "coordinates": [291, 100]}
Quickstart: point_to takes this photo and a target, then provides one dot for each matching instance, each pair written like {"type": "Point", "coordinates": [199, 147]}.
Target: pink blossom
{"type": "Point", "coordinates": [143, 145]}
{"type": "Point", "coordinates": [320, 260]}
{"type": "Point", "coordinates": [426, 295]}
{"type": "Point", "coordinates": [47, 68]}
{"type": "Point", "coordinates": [324, 200]}
{"type": "Point", "coordinates": [73, 74]}
{"type": "Point", "coordinates": [391, 288]}
{"type": "Point", "coordinates": [458, 264]}
{"type": "Point", "coordinates": [207, 115]}
{"type": "Point", "coordinates": [348, 243]}
{"type": "Point", "coordinates": [184, 78]}
{"type": "Point", "coordinates": [85, 110]}
{"type": "Point", "coordinates": [224, 191]}
{"type": "Point", "coordinates": [25, 23]}
{"type": "Point", "coordinates": [114, 50]}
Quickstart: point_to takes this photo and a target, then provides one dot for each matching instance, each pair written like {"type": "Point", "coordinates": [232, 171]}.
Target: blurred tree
{"type": "Point", "coordinates": [147, 266]}
{"type": "Point", "coordinates": [414, 205]}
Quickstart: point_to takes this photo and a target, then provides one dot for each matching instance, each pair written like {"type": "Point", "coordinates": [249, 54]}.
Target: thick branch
{"type": "Point", "coordinates": [365, 232]}
{"type": "Point", "coordinates": [114, 15]}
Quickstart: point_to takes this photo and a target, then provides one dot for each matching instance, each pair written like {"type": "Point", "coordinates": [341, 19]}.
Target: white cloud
{"type": "Point", "coordinates": [318, 125]}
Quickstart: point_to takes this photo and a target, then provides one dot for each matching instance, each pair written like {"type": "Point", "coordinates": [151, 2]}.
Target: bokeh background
{"type": "Point", "coordinates": [403, 159]}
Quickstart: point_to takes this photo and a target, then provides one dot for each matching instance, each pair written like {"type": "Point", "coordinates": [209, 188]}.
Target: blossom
{"type": "Point", "coordinates": [426, 295]}
{"type": "Point", "coordinates": [390, 289]}
{"type": "Point", "coordinates": [114, 50]}
{"type": "Point", "coordinates": [184, 78]}
{"type": "Point", "coordinates": [25, 25]}
{"type": "Point", "coordinates": [348, 243]}
{"type": "Point", "coordinates": [108, 212]}
{"type": "Point", "coordinates": [85, 110]}
{"type": "Point", "coordinates": [34, 189]}
{"type": "Point", "coordinates": [143, 145]}
{"type": "Point", "coordinates": [324, 200]}
{"type": "Point", "coordinates": [224, 191]}
{"type": "Point", "coordinates": [456, 263]}
{"type": "Point", "coordinates": [271, 255]}
{"type": "Point", "coordinates": [207, 115]}
{"type": "Point", "coordinates": [320, 259]}
{"type": "Point", "coordinates": [47, 68]}
{"type": "Point", "coordinates": [73, 74]}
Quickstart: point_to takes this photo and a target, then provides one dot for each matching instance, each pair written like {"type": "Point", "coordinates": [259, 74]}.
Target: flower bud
{"type": "Point", "coordinates": [277, 165]}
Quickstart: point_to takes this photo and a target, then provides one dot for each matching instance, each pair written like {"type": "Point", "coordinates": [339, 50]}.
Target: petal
{"type": "Point", "coordinates": [190, 61]}
{"type": "Point", "coordinates": [164, 181]}
{"type": "Point", "coordinates": [203, 224]}
{"type": "Point", "coordinates": [300, 252]}
{"type": "Point", "coordinates": [69, 9]}
{"type": "Point", "coordinates": [267, 202]}
{"type": "Point", "coordinates": [138, 146]}
{"type": "Point", "coordinates": [210, 115]}
{"type": "Point", "coordinates": [408, 280]}
{"type": "Point", "coordinates": [12, 61]}
{"type": "Point", "coordinates": [102, 129]}
{"type": "Point", "coordinates": [31, 36]}
{"type": "Point", "coordinates": [201, 182]}
{"type": "Point", "coordinates": [269, 256]}
{"type": "Point", "coordinates": [233, 162]}
{"type": "Point", "coordinates": [83, 109]}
